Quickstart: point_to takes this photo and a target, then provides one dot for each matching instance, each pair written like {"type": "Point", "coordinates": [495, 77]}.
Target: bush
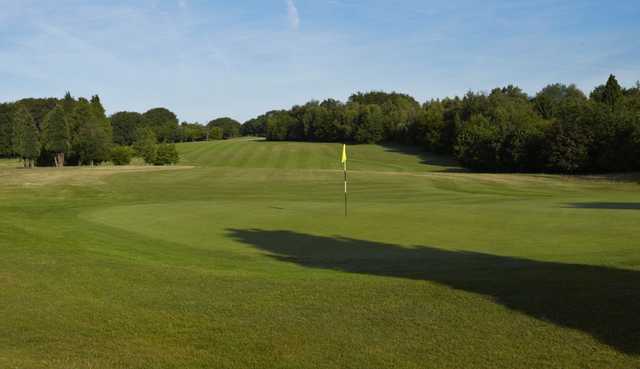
{"type": "Point", "coordinates": [121, 155]}
{"type": "Point", "coordinates": [166, 154]}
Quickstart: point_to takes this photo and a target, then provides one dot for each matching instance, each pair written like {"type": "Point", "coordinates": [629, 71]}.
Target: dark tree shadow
{"type": "Point", "coordinates": [603, 302]}
{"type": "Point", "coordinates": [448, 163]}
{"type": "Point", "coordinates": [607, 205]}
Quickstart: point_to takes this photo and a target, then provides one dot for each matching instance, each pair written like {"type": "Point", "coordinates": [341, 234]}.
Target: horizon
{"type": "Point", "coordinates": [204, 61]}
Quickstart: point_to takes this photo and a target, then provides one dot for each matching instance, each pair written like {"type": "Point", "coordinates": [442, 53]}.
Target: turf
{"type": "Point", "coordinates": [242, 258]}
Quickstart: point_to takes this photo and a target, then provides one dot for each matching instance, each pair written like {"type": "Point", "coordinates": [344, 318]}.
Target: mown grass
{"type": "Point", "coordinates": [246, 261]}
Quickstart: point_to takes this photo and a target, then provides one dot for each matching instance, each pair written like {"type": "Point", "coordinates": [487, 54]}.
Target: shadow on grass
{"type": "Point", "coordinates": [448, 163]}
{"type": "Point", "coordinates": [600, 301]}
{"type": "Point", "coordinates": [607, 205]}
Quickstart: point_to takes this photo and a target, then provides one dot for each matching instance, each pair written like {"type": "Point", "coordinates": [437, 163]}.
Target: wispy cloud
{"type": "Point", "coordinates": [217, 58]}
{"type": "Point", "coordinates": [294, 16]}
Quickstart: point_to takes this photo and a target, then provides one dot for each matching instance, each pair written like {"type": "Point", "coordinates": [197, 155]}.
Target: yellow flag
{"type": "Point", "coordinates": [344, 154]}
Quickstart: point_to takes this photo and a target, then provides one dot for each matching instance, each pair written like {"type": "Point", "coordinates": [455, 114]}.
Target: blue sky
{"type": "Point", "coordinates": [205, 59]}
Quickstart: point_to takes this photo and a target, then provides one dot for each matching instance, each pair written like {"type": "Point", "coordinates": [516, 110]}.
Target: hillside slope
{"type": "Point", "coordinates": [258, 153]}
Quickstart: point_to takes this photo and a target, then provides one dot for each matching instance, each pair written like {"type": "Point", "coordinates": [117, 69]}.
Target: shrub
{"type": "Point", "coordinates": [166, 154]}
{"type": "Point", "coordinates": [121, 155]}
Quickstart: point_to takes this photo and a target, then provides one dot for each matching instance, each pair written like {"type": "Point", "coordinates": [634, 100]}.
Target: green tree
{"type": "Point", "coordinates": [215, 133]}
{"type": "Point", "coordinates": [402, 101]}
{"type": "Point", "coordinates": [430, 127]}
{"type": "Point", "coordinates": [92, 138]}
{"type": "Point", "coordinates": [125, 125]}
{"type": "Point", "coordinates": [632, 99]}
{"type": "Point", "coordinates": [230, 127]}
{"type": "Point", "coordinates": [27, 144]}
{"type": "Point", "coordinates": [68, 103]}
{"type": "Point", "coordinates": [93, 144]}
{"type": "Point", "coordinates": [549, 100]}
{"type": "Point", "coordinates": [635, 139]}
{"type": "Point", "coordinates": [39, 108]}
{"type": "Point", "coordinates": [479, 144]}
{"type": "Point", "coordinates": [146, 145]}
{"type": "Point", "coordinates": [96, 104]}
{"type": "Point", "coordinates": [610, 94]}
{"type": "Point", "coordinates": [56, 135]}
{"type": "Point", "coordinates": [569, 140]}
{"type": "Point", "coordinates": [163, 122]}
{"type": "Point", "coordinates": [255, 127]}
{"type": "Point", "coordinates": [278, 126]}
{"type": "Point", "coordinates": [104, 122]}
{"type": "Point", "coordinates": [6, 130]}
{"type": "Point", "coordinates": [613, 148]}
{"type": "Point", "coordinates": [191, 132]}
{"type": "Point", "coordinates": [370, 125]}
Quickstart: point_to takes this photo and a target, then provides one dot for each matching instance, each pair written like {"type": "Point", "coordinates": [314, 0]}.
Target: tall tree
{"type": "Point", "coordinates": [609, 94]}
{"type": "Point", "coordinates": [93, 143]}
{"type": "Point", "coordinates": [56, 135]}
{"type": "Point", "coordinates": [27, 144]}
{"type": "Point", "coordinates": [6, 130]}
{"type": "Point", "coordinates": [91, 139]}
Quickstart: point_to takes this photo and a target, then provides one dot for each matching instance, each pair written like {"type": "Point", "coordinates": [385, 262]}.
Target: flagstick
{"type": "Point", "coordinates": [345, 188]}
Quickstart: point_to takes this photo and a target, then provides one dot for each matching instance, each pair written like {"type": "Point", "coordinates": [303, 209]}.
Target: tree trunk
{"type": "Point", "coordinates": [59, 157]}
{"type": "Point", "coordinates": [55, 160]}
{"type": "Point", "coordinates": [92, 163]}
{"type": "Point", "coordinates": [24, 162]}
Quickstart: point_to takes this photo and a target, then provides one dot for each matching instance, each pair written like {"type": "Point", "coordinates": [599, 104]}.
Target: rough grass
{"type": "Point", "coordinates": [246, 261]}
{"type": "Point", "coordinates": [21, 177]}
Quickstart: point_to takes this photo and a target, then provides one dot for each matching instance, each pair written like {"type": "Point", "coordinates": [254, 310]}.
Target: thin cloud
{"type": "Point", "coordinates": [294, 16]}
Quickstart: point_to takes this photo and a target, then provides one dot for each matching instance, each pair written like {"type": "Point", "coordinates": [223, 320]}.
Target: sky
{"type": "Point", "coordinates": [208, 59]}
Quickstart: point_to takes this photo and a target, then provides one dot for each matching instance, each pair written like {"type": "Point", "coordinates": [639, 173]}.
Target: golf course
{"type": "Point", "coordinates": [241, 257]}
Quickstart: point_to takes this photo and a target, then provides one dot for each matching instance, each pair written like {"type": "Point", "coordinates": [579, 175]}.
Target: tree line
{"type": "Point", "coordinates": [560, 129]}
{"type": "Point", "coordinates": [70, 131]}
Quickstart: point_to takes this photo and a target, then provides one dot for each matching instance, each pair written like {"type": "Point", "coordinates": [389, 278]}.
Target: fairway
{"type": "Point", "coordinates": [241, 257]}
